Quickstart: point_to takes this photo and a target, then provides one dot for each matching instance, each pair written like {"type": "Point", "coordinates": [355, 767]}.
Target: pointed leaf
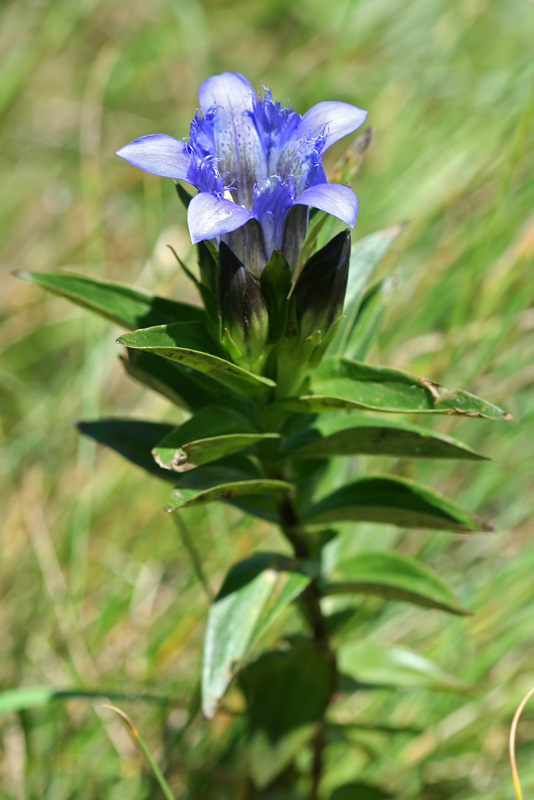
{"type": "Point", "coordinates": [210, 434]}
{"type": "Point", "coordinates": [132, 438]}
{"type": "Point", "coordinates": [190, 345]}
{"type": "Point", "coordinates": [185, 497]}
{"type": "Point", "coordinates": [377, 664]}
{"type": "Point", "coordinates": [340, 383]}
{"type": "Point", "coordinates": [287, 692]}
{"type": "Point", "coordinates": [208, 297]}
{"type": "Point", "coordinates": [213, 420]}
{"type": "Point", "coordinates": [257, 505]}
{"type": "Point", "coordinates": [208, 259]}
{"type": "Point", "coordinates": [366, 255]}
{"type": "Point", "coordinates": [355, 433]}
{"type": "Point", "coordinates": [359, 791]}
{"type": "Point", "coordinates": [129, 307]}
{"type": "Point", "coordinates": [393, 577]}
{"type": "Point", "coordinates": [183, 194]}
{"type": "Point", "coordinates": [180, 458]}
{"type": "Point", "coordinates": [226, 479]}
{"type": "Point", "coordinates": [253, 595]}
{"type": "Point", "coordinates": [396, 501]}
{"type": "Point", "coordinates": [182, 385]}
{"type": "Point", "coordinates": [359, 337]}
{"type": "Point", "coordinates": [24, 697]}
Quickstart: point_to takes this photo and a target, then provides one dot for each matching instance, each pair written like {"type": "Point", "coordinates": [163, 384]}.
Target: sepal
{"type": "Point", "coordinates": [314, 313]}
{"type": "Point", "coordinates": [243, 308]}
{"type": "Point", "coordinates": [276, 285]}
{"type": "Point", "coordinates": [321, 286]}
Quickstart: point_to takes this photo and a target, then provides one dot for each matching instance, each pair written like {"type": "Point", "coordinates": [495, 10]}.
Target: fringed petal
{"type": "Point", "coordinates": [331, 119]}
{"type": "Point", "coordinates": [229, 98]}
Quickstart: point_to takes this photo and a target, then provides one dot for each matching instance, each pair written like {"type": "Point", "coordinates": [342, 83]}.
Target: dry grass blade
{"type": "Point", "coordinates": [136, 736]}
{"type": "Point", "coordinates": [513, 733]}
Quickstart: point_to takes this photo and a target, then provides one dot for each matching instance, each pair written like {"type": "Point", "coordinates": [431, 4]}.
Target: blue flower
{"type": "Point", "coordinates": [257, 166]}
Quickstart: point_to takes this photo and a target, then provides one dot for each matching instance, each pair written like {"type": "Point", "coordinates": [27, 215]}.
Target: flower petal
{"type": "Point", "coordinates": [158, 154]}
{"type": "Point", "coordinates": [229, 98]}
{"type": "Point", "coordinates": [272, 201]}
{"type": "Point", "coordinates": [334, 198]}
{"type": "Point", "coordinates": [333, 118]}
{"type": "Point", "coordinates": [229, 89]}
{"type": "Point", "coordinates": [209, 215]}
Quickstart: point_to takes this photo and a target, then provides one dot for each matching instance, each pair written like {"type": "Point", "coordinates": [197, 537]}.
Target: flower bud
{"type": "Point", "coordinates": [320, 289]}
{"type": "Point", "coordinates": [243, 308]}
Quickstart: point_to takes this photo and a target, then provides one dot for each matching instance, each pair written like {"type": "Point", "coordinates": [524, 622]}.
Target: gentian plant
{"type": "Point", "coordinates": [271, 371]}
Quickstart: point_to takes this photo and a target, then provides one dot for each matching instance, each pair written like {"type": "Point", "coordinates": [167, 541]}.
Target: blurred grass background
{"type": "Point", "coordinates": [96, 586]}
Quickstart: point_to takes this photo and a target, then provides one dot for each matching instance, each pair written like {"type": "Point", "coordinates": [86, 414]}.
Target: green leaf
{"type": "Point", "coordinates": [132, 438]}
{"type": "Point", "coordinates": [183, 194]}
{"type": "Point", "coordinates": [24, 697]}
{"type": "Point", "coordinates": [129, 307]}
{"type": "Point", "coordinates": [393, 577]}
{"type": "Point", "coordinates": [181, 457]}
{"type": "Point", "coordinates": [287, 693]}
{"type": "Point", "coordinates": [359, 791]}
{"type": "Point", "coordinates": [185, 497]}
{"type": "Point", "coordinates": [208, 297]}
{"type": "Point", "coordinates": [225, 479]}
{"type": "Point", "coordinates": [180, 384]}
{"type": "Point", "coordinates": [360, 336]}
{"type": "Point", "coordinates": [366, 255]}
{"type": "Point", "coordinates": [257, 505]}
{"type": "Point", "coordinates": [356, 433]}
{"type": "Point", "coordinates": [397, 501]}
{"type": "Point", "coordinates": [254, 593]}
{"type": "Point", "coordinates": [340, 383]}
{"type": "Point", "coordinates": [189, 344]}
{"type": "Point", "coordinates": [208, 260]}
{"type": "Point", "coordinates": [377, 664]}
{"type": "Point", "coordinates": [210, 434]}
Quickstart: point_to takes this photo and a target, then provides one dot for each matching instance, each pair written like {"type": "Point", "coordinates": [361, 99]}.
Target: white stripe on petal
{"type": "Point", "coordinates": [209, 215]}
{"type": "Point", "coordinates": [334, 198]}
{"type": "Point", "coordinates": [158, 154]}
{"type": "Point", "coordinates": [333, 118]}
{"type": "Point", "coordinates": [240, 149]}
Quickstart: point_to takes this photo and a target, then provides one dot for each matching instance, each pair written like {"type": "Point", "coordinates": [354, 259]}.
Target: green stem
{"type": "Point", "coordinates": [317, 766]}
{"type": "Point", "coordinates": [311, 597]}
{"type": "Point", "coordinates": [290, 526]}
